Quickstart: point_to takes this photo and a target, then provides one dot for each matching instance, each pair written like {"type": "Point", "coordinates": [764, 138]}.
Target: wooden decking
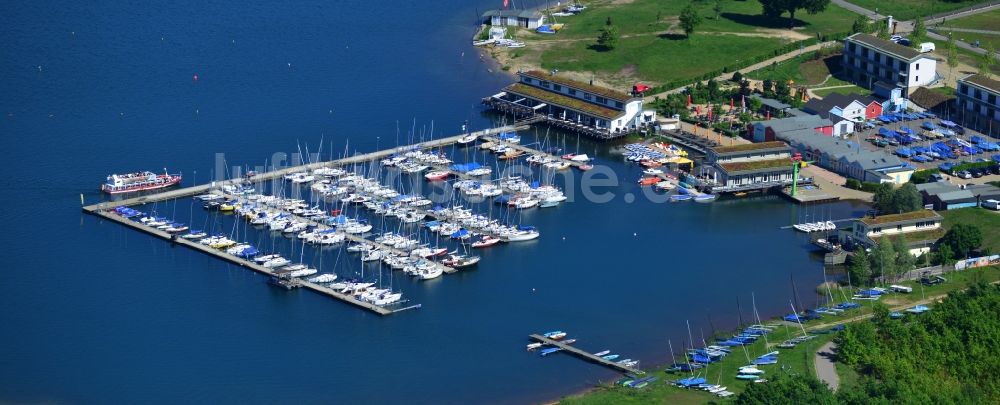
{"type": "Point", "coordinates": [585, 355]}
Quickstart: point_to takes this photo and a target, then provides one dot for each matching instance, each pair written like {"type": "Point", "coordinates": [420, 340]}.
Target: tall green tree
{"type": "Point", "coordinates": [609, 37]}
{"type": "Point", "coordinates": [951, 53]}
{"type": "Point", "coordinates": [962, 239]}
{"type": "Point", "coordinates": [882, 199]}
{"type": "Point", "coordinates": [884, 259]}
{"type": "Point", "coordinates": [987, 60]}
{"type": "Point", "coordinates": [945, 256]}
{"type": "Point", "coordinates": [775, 8]}
{"type": "Point", "coordinates": [689, 19]}
{"type": "Point", "coordinates": [862, 24]}
{"type": "Point", "coordinates": [717, 8]}
{"type": "Point", "coordinates": [919, 33]}
{"type": "Point", "coordinates": [859, 270]}
{"type": "Point", "coordinates": [904, 260]}
{"type": "Point", "coordinates": [797, 388]}
{"type": "Point", "coordinates": [881, 29]}
{"type": "Point", "coordinates": [906, 198]}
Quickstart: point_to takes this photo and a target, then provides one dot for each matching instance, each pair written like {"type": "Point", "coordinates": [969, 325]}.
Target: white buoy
{"type": "Point", "coordinates": [635, 234]}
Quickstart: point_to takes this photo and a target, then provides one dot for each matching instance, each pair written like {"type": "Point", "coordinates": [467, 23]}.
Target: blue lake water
{"type": "Point", "coordinates": [96, 313]}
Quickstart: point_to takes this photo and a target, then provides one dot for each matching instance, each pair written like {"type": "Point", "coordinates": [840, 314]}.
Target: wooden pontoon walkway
{"type": "Point", "coordinates": [111, 216]}
{"type": "Point", "coordinates": [106, 210]}
{"type": "Point", "coordinates": [585, 355]}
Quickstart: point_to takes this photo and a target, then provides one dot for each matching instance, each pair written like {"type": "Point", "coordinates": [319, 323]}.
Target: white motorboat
{"type": "Point", "coordinates": [431, 273]}
{"type": "Point", "coordinates": [323, 278]}
{"type": "Point", "coordinates": [276, 262]}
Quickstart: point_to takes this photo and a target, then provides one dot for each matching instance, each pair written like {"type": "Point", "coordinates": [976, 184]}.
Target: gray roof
{"type": "Point", "coordinates": [839, 149]}
{"type": "Point", "coordinates": [956, 195]}
{"type": "Point", "coordinates": [888, 47]}
{"type": "Point", "coordinates": [798, 122]}
{"type": "Point", "coordinates": [822, 106]}
{"type": "Point", "coordinates": [982, 81]}
{"type": "Point", "coordinates": [984, 190]}
{"type": "Point", "coordinates": [530, 14]}
{"type": "Point", "coordinates": [770, 102]}
{"type": "Point", "coordinates": [936, 187]}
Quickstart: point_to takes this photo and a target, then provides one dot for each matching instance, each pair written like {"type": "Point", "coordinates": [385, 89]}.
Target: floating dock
{"type": "Point", "coordinates": [106, 210]}
{"type": "Point", "coordinates": [586, 356]}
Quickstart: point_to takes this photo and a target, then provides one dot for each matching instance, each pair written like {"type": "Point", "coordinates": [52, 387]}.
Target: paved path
{"type": "Point", "coordinates": [756, 66]}
{"type": "Point", "coordinates": [826, 371]}
{"type": "Point", "coordinates": [907, 26]}
{"type": "Point", "coordinates": [987, 32]}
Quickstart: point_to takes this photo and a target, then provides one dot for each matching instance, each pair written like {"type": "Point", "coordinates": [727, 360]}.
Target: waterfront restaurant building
{"type": "Point", "coordinates": [978, 100]}
{"type": "Point", "coordinates": [592, 110]}
{"type": "Point", "coordinates": [752, 166]}
{"type": "Point", "coordinates": [921, 228]}
{"type": "Point", "coordinates": [514, 18]}
{"type": "Point", "coordinates": [868, 60]}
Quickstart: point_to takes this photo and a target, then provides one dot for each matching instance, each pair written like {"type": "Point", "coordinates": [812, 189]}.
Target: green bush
{"type": "Point", "coordinates": [853, 184]}
{"type": "Point", "coordinates": [869, 187]}
{"type": "Point", "coordinates": [922, 176]}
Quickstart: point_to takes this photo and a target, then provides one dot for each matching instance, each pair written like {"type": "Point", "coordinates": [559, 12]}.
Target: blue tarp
{"type": "Point", "coordinates": [906, 131]}
{"type": "Point", "coordinates": [465, 167]}
{"type": "Point", "coordinates": [885, 132]}
{"type": "Point", "coordinates": [904, 152]}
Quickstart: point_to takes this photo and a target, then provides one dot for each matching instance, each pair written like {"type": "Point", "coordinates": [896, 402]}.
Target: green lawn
{"type": "Point", "coordinates": [804, 70]}
{"type": "Point", "coordinates": [944, 90]}
{"type": "Point", "coordinates": [910, 9]}
{"type": "Point", "coordinates": [639, 17]}
{"type": "Point", "coordinates": [658, 59]}
{"type": "Point", "coordinates": [985, 40]}
{"type": "Point", "coordinates": [987, 221]}
{"type": "Point", "coordinates": [843, 90]}
{"type": "Point", "coordinates": [989, 20]}
{"type": "Point", "coordinates": [646, 51]}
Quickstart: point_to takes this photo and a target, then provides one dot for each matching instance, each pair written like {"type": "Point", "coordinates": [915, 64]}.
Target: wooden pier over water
{"type": "Point", "coordinates": [106, 210]}
{"type": "Point", "coordinates": [585, 355]}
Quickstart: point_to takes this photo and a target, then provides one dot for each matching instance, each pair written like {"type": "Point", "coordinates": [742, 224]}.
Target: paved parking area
{"type": "Point", "coordinates": [915, 125]}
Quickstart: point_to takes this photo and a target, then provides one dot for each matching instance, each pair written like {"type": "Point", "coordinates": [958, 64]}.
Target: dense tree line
{"type": "Point", "coordinates": [944, 356]}
{"type": "Point", "coordinates": [890, 200]}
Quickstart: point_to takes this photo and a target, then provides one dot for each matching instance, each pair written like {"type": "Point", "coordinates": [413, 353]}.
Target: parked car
{"type": "Point", "coordinates": [964, 174]}
{"type": "Point", "coordinates": [926, 47]}
{"type": "Point", "coordinates": [932, 280]}
{"type": "Point", "coordinates": [992, 205]}
{"type": "Point", "coordinates": [995, 169]}
{"type": "Point", "coordinates": [977, 173]}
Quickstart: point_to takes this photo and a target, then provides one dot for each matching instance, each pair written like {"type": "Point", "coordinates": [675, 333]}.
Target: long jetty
{"type": "Point", "coordinates": [106, 210]}
{"type": "Point", "coordinates": [585, 355]}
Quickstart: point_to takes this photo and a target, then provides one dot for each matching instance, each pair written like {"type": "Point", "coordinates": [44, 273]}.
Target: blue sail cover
{"type": "Point", "coordinates": [465, 167]}
{"type": "Point", "coordinates": [906, 131]}
{"type": "Point", "coordinates": [886, 132]}
{"type": "Point", "coordinates": [507, 135]}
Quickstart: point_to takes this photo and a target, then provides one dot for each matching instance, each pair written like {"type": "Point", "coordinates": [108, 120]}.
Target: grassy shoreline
{"type": "Point", "coordinates": [796, 360]}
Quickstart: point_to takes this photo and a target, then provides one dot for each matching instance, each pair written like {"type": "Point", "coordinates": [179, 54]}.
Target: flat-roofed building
{"type": "Point", "coordinates": [868, 60]}
{"type": "Point", "coordinates": [592, 110]}
{"type": "Point", "coordinates": [921, 229]}
{"type": "Point", "coordinates": [751, 166]}
{"type": "Point", "coordinates": [978, 100]}
{"type": "Point", "coordinates": [515, 18]}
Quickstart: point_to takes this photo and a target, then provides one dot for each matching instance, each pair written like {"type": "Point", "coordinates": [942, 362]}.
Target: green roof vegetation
{"type": "Point", "coordinates": [600, 91]}
{"type": "Point", "coordinates": [562, 101]}
{"type": "Point", "coordinates": [906, 216]}
{"type": "Point", "coordinates": [750, 146]}
{"type": "Point", "coordinates": [911, 237]}
{"type": "Point", "coordinates": [756, 165]}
